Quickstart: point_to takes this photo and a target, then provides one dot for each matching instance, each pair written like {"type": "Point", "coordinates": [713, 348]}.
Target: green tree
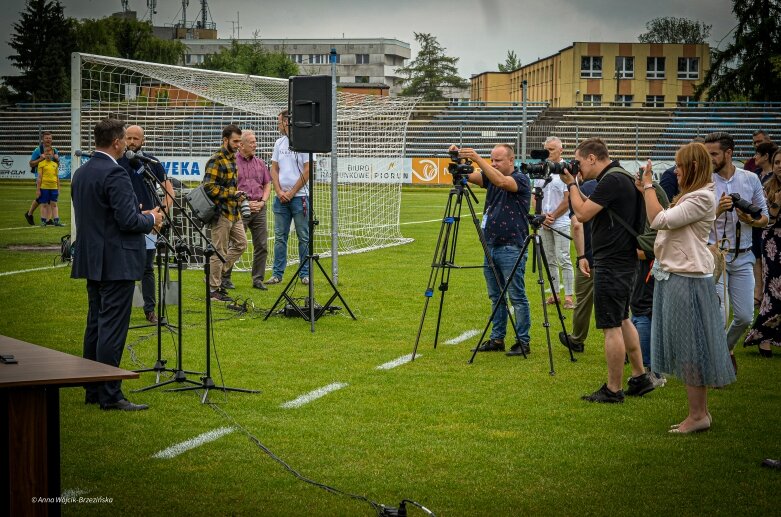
{"type": "Point", "coordinates": [431, 71]}
{"type": "Point", "coordinates": [127, 38]}
{"type": "Point", "coordinates": [744, 69]}
{"type": "Point", "coordinates": [670, 29]}
{"type": "Point", "coordinates": [252, 59]}
{"type": "Point", "coordinates": [511, 62]}
{"type": "Point", "coordinates": [43, 40]}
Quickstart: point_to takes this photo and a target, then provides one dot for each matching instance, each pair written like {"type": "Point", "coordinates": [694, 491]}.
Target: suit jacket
{"type": "Point", "coordinates": [110, 227]}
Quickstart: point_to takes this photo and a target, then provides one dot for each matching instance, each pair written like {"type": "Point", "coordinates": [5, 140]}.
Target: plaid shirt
{"type": "Point", "coordinates": [220, 181]}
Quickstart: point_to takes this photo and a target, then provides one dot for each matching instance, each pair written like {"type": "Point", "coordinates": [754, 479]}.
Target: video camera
{"type": "Point", "coordinates": [459, 167]}
{"type": "Point", "coordinates": [546, 168]}
{"type": "Point", "coordinates": [745, 206]}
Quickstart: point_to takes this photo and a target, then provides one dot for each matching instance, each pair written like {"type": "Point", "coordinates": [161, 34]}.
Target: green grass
{"type": "Point", "coordinates": [497, 437]}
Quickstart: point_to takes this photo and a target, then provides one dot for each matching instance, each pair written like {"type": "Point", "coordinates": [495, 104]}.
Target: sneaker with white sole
{"type": "Point", "coordinates": [273, 280]}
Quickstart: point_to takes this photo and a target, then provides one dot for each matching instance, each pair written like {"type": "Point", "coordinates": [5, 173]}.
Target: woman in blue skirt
{"type": "Point", "coordinates": [688, 339]}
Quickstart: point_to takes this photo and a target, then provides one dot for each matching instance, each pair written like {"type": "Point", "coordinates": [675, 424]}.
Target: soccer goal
{"type": "Point", "coordinates": [183, 111]}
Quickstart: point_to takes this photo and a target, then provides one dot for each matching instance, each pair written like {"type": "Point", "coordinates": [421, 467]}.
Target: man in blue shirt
{"type": "Point", "coordinates": [505, 228]}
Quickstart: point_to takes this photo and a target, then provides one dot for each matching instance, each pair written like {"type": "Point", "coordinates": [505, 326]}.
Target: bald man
{"type": "Point", "coordinates": [134, 135]}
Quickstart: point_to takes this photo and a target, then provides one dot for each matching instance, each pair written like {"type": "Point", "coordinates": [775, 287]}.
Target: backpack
{"type": "Point", "coordinates": [202, 206]}
{"type": "Point", "coordinates": [646, 235]}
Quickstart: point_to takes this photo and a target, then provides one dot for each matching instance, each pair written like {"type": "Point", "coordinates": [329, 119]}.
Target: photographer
{"type": "Point", "coordinates": [732, 230]}
{"type": "Point", "coordinates": [615, 255]}
{"type": "Point", "coordinates": [220, 180]}
{"type": "Point", "coordinates": [505, 227]}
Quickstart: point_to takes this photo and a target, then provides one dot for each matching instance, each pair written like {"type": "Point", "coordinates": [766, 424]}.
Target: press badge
{"type": "Point", "coordinates": [484, 221]}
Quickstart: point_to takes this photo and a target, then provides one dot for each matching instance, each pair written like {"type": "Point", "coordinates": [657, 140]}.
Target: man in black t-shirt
{"type": "Point", "coordinates": [615, 255]}
{"type": "Point", "coordinates": [134, 136]}
{"type": "Point", "coordinates": [505, 228]}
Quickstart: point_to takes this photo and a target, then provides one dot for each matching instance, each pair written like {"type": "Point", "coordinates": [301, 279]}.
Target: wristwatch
{"type": "Point", "coordinates": [580, 257]}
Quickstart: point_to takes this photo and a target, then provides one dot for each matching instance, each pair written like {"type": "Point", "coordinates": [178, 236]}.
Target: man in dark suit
{"type": "Point", "coordinates": [109, 253]}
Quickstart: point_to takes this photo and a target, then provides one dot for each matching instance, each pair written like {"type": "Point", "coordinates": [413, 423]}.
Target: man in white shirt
{"type": "Point", "coordinates": [732, 229]}
{"type": "Point", "coordinates": [555, 208]}
{"type": "Point", "coordinates": [289, 174]}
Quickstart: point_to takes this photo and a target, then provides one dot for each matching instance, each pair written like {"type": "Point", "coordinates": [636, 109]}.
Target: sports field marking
{"type": "Point", "coordinates": [17, 228]}
{"type": "Point", "coordinates": [396, 362]}
{"type": "Point", "coordinates": [429, 220]}
{"type": "Point", "coordinates": [463, 337]}
{"type": "Point", "coordinates": [6, 273]}
{"type": "Point", "coordinates": [313, 395]}
{"type": "Point", "coordinates": [179, 448]}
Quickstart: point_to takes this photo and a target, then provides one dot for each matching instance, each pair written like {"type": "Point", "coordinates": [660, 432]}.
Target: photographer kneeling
{"type": "Point", "coordinates": [505, 227]}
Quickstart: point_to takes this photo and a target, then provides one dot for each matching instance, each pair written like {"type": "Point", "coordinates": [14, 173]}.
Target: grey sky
{"type": "Point", "coordinates": [479, 33]}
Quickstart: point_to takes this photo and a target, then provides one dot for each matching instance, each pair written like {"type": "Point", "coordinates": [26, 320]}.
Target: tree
{"type": "Point", "coordinates": [252, 59]}
{"type": "Point", "coordinates": [431, 71]}
{"type": "Point", "coordinates": [43, 41]}
{"type": "Point", "coordinates": [670, 29]}
{"type": "Point", "coordinates": [744, 69]}
{"type": "Point", "coordinates": [511, 62]}
{"type": "Point", "coordinates": [127, 38]}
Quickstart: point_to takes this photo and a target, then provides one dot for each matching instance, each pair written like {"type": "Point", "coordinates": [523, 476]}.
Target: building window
{"type": "Point", "coordinates": [297, 58]}
{"type": "Point", "coordinates": [318, 59]}
{"type": "Point", "coordinates": [194, 59]}
{"type": "Point", "coordinates": [625, 67]}
{"type": "Point", "coordinates": [591, 66]}
{"type": "Point", "coordinates": [592, 100]}
{"type": "Point", "coordinates": [624, 100]}
{"type": "Point", "coordinates": [361, 59]}
{"type": "Point", "coordinates": [361, 78]}
{"type": "Point", "coordinates": [654, 101]}
{"type": "Point", "coordinates": [686, 100]}
{"type": "Point", "coordinates": [655, 68]}
{"type": "Point", "coordinates": [688, 68]}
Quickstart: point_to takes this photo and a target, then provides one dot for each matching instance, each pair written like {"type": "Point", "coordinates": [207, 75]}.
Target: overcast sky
{"type": "Point", "coordinates": [478, 32]}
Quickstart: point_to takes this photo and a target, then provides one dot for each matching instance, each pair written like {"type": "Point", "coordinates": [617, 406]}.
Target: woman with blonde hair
{"type": "Point", "coordinates": [688, 339]}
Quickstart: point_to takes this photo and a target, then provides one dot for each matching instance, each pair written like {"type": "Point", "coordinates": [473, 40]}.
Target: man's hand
{"type": "Point", "coordinates": [255, 206]}
{"type": "Point", "coordinates": [468, 153]}
{"type": "Point", "coordinates": [158, 215]}
{"type": "Point", "coordinates": [567, 177]}
{"type": "Point", "coordinates": [284, 196]}
{"type": "Point", "coordinates": [725, 204]}
{"type": "Point", "coordinates": [646, 176]}
{"type": "Point", "coordinates": [584, 267]}
{"type": "Point", "coordinates": [549, 219]}
{"type": "Point", "coordinates": [745, 218]}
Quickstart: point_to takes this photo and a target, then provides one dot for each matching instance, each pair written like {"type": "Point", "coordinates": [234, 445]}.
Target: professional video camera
{"type": "Point", "coordinates": [745, 206]}
{"type": "Point", "coordinates": [459, 167]}
{"type": "Point", "coordinates": [544, 169]}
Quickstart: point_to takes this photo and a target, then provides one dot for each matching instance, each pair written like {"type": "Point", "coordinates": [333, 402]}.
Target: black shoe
{"type": "Point", "coordinates": [125, 405]}
{"type": "Point", "coordinates": [227, 283]}
{"type": "Point", "coordinates": [640, 385]}
{"type": "Point", "coordinates": [772, 464]}
{"type": "Point", "coordinates": [574, 345]}
{"type": "Point", "coordinates": [29, 219]}
{"type": "Point", "coordinates": [492, 345]}
{"type": "Point", "coordinates": [221, 296]}
{"type": "Point", "coordinates": [519, 348]}
{"type": "Point", "coordinates": [259, 285]}
{"type": "Point", "coordinates": [50, 222]}
{"type": "Point", "coordinates": [765, 353]}
{"type": "Point", "coordinates": [604, 396]}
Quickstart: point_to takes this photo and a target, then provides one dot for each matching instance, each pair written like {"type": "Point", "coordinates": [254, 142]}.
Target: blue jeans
{"type": "Point", "coordinates": [296, 210]}
{"type": "Point", "coordinates": [643, 326]}
{"type": "Point", "coordinates": [504, 258]}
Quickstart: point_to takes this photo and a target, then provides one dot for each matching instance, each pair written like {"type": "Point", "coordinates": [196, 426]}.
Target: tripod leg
{"type": "Point", "coordinates": [544, 265]}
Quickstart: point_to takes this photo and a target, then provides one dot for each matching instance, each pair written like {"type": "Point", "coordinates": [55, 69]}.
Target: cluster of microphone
{"type": "Point", "coordinates": [135, 158]}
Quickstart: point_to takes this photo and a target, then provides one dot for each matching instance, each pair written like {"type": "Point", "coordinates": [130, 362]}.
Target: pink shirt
{"type": "Point", "coordinates": [253, 176]}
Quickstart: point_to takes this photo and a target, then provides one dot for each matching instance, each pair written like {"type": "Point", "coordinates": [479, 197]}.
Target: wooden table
{"type": "Point", "coordinates": [30, 421]}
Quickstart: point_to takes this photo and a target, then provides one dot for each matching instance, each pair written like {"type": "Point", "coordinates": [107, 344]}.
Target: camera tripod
{"type": "Point", "coordinates": [539, 263]}
{"type": "Point", "coordinates": [445, 252]}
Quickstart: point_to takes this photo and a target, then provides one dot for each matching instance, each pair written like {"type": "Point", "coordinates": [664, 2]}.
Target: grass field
{"type": "Point", "coordinates": [497, 437]}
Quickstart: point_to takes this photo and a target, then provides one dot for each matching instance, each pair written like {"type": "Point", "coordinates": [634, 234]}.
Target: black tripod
{"type": "Point", "coordinates": [539, 263]}
{"type": "Point", "coordinates": [181, 252]}
{"type": "Point", "coordinates": [309, 312]}
{"type": "Point", "coordinates": [445, 252]}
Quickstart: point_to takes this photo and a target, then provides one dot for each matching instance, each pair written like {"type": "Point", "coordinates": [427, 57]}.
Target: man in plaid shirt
{"type": "Point", "coordinates": [220, 181]}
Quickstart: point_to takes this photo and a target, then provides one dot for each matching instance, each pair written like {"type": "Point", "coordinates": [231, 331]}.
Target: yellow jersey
{"type": "Point", "coordinates": [48, 170]}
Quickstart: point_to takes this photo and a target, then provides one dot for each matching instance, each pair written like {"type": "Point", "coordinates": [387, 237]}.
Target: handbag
{"type": "Point", "coordinates": [202, 206]}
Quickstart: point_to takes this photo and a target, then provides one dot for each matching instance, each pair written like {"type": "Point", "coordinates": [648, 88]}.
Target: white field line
{"type": "Point", "coordinates": [430, 220]}
{"type": "Point", "coordinates": [179, 448]}
{"type": "Point", "coordinates": [6, 273]}
{"type": "Point", "coordinates": [18, 228]}
{"type": "Point", "coordinates": [313, 395]}
{"type": "Point", "coordinates": [397, 362]}
{"type": "Point", "coordinates": [463, 337]}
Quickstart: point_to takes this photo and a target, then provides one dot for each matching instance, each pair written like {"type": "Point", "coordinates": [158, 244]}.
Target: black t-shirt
{"type": "Point", "coordinates": [611, 243]}
{"type": "Point", "coordinates": [587, 188]}
{"type": "Point", "coordinates": [505, 212]}
{"type": "Point", "coordinates": [139, 185]}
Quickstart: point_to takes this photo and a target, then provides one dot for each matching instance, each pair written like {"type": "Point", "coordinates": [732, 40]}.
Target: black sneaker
{"type": "Point", "coordinates": [604, 396]}
{"type": "Point", "coordinates": [29, 219]}
{"type": "Point", "coordinates": [519, 348]}
{"type": "Point", "coordinates": [639, 386]}
{"type": "Point", "coordinates": [576, 347]}
{"type": "Point", "coordinates": [221, 296]}
{"type": "Point", "coordinates": [492, 345]}
{"type": "Point", "coordinates": [227, 283]}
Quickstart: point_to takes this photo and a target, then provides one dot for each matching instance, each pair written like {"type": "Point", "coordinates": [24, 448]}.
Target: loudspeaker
{"type": "Point", "coordinates": [310, 106]}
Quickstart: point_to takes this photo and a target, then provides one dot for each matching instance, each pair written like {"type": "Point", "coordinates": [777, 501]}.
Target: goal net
{"type": "Point", "coordinates": [183, 110]}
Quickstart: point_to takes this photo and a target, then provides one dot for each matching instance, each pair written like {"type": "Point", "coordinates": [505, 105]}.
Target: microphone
{"type": "Point", "coordinates": [79, 152]}
{"type": "Point", "coordinates": [130, 155]}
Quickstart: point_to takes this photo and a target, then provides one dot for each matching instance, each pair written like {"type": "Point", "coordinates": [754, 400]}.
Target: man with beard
{"type": "Point", "coordinates": [221, 183]}
{"type": "Point", "coordinates": [732, 230]}
{"type": "Point", "coordinates": [145, 191]}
